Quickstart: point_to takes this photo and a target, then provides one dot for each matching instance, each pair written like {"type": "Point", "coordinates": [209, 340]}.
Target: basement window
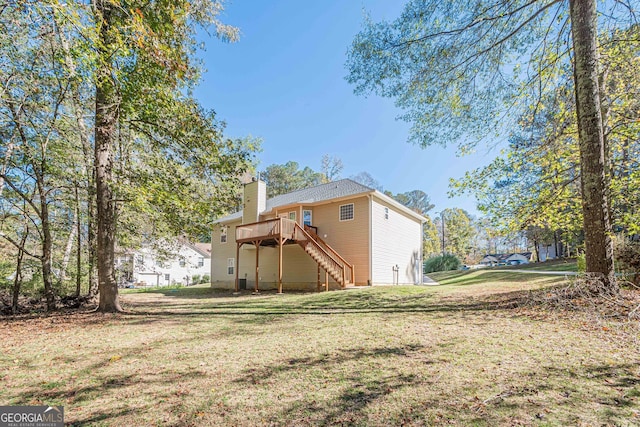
{"type": "Point", "coordinates": [346, 212]}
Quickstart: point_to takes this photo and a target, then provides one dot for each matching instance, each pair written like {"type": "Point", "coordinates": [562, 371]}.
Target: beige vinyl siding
{"type": "Point", "coordinates": [255, 199]}
{"type": "Point", "coordinates": [220, 253]}
{"type": "Point", "coordinates": [299, 271]}
{"type": "Point", "coordinates": [349, 238]}
{"type": "Point", "coordinates": [395, 241]}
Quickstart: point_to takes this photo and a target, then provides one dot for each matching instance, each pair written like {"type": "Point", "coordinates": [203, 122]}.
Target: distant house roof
{"type": "Point", "coordinates": [320, 193]}
{"type": "Point", "coordinates": [522, 254]}
{"type": "Point", "coordinates": [203, 249]}
{"type": "Point", "coordinates": [504, 257]}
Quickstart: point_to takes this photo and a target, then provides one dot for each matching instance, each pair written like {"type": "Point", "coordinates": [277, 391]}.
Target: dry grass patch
{"type": "Point", "coordinates": [454, 355]}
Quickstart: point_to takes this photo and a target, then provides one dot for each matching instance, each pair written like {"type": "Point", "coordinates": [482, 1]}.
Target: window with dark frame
{"type": "Point", "coordinates": [306, 217]}
{"type": "Point", "coordinates": [346, 212]}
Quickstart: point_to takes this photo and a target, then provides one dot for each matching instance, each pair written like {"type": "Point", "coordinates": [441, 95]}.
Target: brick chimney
{"type": "Point", "coordinates": [254, 201]}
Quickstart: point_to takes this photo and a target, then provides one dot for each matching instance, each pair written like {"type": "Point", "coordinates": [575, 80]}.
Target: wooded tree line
{"type": "Point", "coordinates": [535, 185]}
{"type": "Point", "coordinates": [535, 70]}
{"type": "Point", "coordinates": [103, 143]}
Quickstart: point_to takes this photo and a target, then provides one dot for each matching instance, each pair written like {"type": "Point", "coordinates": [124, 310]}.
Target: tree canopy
{"type": "Point", "coordinates": [97, 111]}
{"type": "Point", "coordinates": [463, 72]}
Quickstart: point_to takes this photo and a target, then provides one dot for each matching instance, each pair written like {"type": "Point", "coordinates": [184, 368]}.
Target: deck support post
{"type": "Point", "coordinates": [257, 243]}
{"type": "Point", "coordinates": [237, 266]}
{"type": "Point", "coordinates": [280, 243]}
{"type": "Point", "coordinates": [326, 280]}
{"type": "Point", "coordinates": [318, 284]}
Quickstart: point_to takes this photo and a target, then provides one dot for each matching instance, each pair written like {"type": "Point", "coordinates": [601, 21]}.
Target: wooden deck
{"type": "Point", "coordinates": [281, 231]}
{"type": "Point", "coordinates": [266, 232]}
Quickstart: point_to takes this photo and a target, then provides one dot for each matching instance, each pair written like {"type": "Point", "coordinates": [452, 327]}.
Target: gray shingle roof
{"type": "Point", "coordinates": [319, 193]}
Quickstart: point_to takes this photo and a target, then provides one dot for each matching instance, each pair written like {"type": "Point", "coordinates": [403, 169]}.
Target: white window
{"type": "Point", "coordinates": [223, 235]}
{"type": "Point", "coordinates": [200, 262]}
{"type": "Point", "coordinates": [292, 216]}
{"type": "Point", "coordinates": [182, 263]}
{"type": "Point", "coordinates": [346, 212]}
{"type": "Point", "coordinates": [386, 213]}
{"type": "Point", "coordinates": [306, 217]}
{"type": "Point", "coordinates": [230, 265]}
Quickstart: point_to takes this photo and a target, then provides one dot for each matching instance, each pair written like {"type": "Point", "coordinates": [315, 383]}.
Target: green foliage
{"type": "Point", "coordinates": [195, 279]}
{"type": "Point", "coordinates": [459, 231]}
{"type": "Point", "coordinates": [206, 278]}
{"type": "Point", "coordinates": [445, 262]}
{"type": "Point", "coordinates": [6, 270]}
{"type": "Point", "coordinates": [174, 171]}
{"type": "Point", "coordinates": [431, 239]}
{"type": "Point", "coordinates": [581, 262]}
{"type": "Point", "coordinates": [439, 61]}
{"type": "Point", "coordinates": [535, 184]}
{"type": "Point", "coordinates": [283, 179]}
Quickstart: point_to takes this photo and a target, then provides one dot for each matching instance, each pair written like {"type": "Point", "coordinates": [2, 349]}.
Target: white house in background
{"type": "Point", "coordinates": [520, 258]}
{"type": "Point", "coordinates": [146, 266]}
{"type": "Point", "coordinates": [547, 252]}
{"type": "Point", "coordinates": [508, 259]}
{"type": "Point", "coordinates": [336, 235]}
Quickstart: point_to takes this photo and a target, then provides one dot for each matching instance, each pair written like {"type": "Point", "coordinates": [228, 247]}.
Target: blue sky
{"type": "Point", "coordinates": [284, 81]}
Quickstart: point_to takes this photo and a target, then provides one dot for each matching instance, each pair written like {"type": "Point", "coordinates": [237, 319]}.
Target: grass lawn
{"type": "Point", "coordinates": [551, 265]}
{"type": "Point", "coordinates": [455, 354]}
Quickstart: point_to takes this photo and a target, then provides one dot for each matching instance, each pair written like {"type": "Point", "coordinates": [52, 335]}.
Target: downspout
{"type": "Point", "coordinates": [370, 280]}
{"type": "Point", "coordinates": [420, 276]}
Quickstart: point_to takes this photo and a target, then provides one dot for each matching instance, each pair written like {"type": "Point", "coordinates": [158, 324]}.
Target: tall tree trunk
{"type": "Point", "coordinates": [106, 122]}
{"type": "Point", "coordinates": [17, 280]}
{"type": "Point", "coordinates": [89, 169]}
{"type": "Point", "coordinates": [66, 257]}
{"type": "Point", "coordinates": [47, 244]}
{"type": "Point", "coordinates": [595, 206]}
{"type": "Point", "coordinates": [78, 245]}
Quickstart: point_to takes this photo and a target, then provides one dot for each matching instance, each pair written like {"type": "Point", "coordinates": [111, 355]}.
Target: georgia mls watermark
{"type": "Point", "coordinates": [31, 416]}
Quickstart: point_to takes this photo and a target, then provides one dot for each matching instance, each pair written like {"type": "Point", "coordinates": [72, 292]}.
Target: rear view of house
{"type": "Point", "coordinates": [332, 235]}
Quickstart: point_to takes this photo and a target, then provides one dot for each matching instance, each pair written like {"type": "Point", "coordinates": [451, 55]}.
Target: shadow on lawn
{"type": "Point", "coordinates": [349, 406]}
{"type": "Point", "coordinates": [269, 306]}
{"type": "Point", "coordinates": [361, 389]}
{"type": "Point", "coordinates": [259, 375]}
{"type": "Point", "coordinates": [487, 276]}
{"type": "Point", "coordinates": [341, 303]}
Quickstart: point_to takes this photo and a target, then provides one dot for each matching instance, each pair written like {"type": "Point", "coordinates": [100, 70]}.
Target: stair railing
{"type": "Point", "coordinates": [345, 263]}
{"type": "Point", "coordinates": [301, 235]}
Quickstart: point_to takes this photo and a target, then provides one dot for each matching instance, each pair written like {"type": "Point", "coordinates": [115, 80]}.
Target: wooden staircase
{"type": "Point", "coordinates": [280, 231]}
{"type": "Point", "coordinates": [325, 256]}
